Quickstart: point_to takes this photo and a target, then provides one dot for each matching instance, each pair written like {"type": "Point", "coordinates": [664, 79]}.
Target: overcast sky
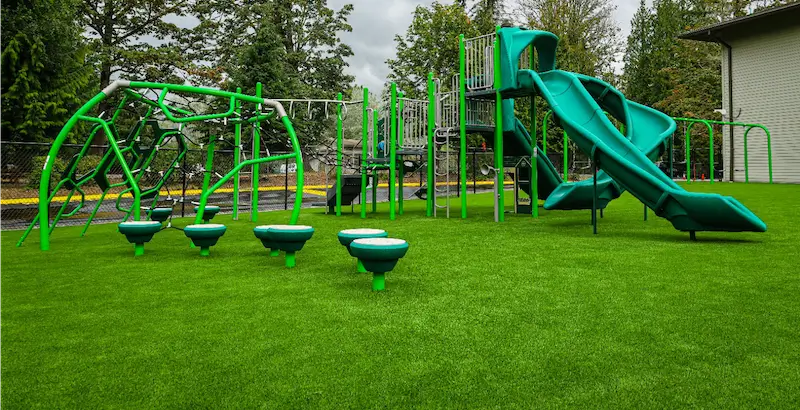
{"type": "Point", "coordinates": [376, 22]}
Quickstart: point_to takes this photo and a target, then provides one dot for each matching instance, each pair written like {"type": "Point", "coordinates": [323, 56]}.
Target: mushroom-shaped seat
{"type": "Point", "coordinates": [261, 233]}
{"type": "Point", "coordinates": [204, 236]}
{"type": "Point", "coordinates": [379, 255]}
{"type": "Point", "coordinates": [159, 214]}
{"type": "Point", "coordinates": [209, 213]}
{"type": "Point", "coordinates": [290, 239]}
{"type": "Point", "coordinates": [139, 232]}
{"type": "Point", "coordinates": [347, 236]}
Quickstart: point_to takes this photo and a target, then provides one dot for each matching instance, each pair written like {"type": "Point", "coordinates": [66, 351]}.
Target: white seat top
{"type": "Point", "coordinates": [140, 223]}
{"type": "Point", "coordinates": [266, 226]}
{"type": "Point", "coordinates": [379, 241]}
{"type": "Point", "coordinates": [362, 231]}
{"type": "Point", "coordinates": [206, 226]}
{"type": "Point", "coordinates": [290, 227]}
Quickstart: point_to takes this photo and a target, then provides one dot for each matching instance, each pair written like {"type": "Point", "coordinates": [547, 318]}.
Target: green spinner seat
{"type": "Point", "coordinates": [138, 233]}
{"type": "Point", "coordinates": [379, 255]}
{"type": "Point", "coordinates": [347, 236]}
{"type": "Point", "coordinates": [209, 213]}
{"type": "Point", "coordinates": [204, 236]}
{"type": "Point", "coordinates": [160, 214]}
{"type": "Point", "coordinates": [290, 239]}
{"type": "Point", "coordinates": [261, 233]}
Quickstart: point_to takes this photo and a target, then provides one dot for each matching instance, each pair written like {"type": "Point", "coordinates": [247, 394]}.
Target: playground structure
{"type": "Point", "coordinates": [621, 138]}
{"type": "Point", "coordinates": [496, 68]}
{"type": "Point", "coordinates": [136, 153]}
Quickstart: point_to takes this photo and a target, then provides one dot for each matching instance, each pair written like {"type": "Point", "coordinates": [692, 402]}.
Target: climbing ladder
{"type": "Point", "coordinates": [446, 130]}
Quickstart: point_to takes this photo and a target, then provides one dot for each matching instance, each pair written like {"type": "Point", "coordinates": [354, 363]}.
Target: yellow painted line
{"type": "Point", "coordinates": [311, 189]}
{"type": "Point", "coordinates": [315, 192]}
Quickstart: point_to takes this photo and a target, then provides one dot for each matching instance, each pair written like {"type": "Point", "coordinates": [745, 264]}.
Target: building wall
{"type": "Point", "coordinates": [766, 90]}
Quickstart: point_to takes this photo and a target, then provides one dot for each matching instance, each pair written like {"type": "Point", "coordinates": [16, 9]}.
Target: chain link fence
{"type": "Point", "coordinates": [21, 172]}
{"type": "Point", "coordinates": [22, 164]}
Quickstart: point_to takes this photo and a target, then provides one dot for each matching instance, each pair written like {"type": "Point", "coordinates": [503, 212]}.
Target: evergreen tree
{"type": "Point", "coordinates": [637, 75]}
{"type": "Point", "coordinates": [44, 76]}
{"type": "Point", "coordinates": [291, 46]}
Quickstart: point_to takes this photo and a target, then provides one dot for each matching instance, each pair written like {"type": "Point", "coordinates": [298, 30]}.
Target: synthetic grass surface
{"type": "Point", "coordinates": [531, 313]}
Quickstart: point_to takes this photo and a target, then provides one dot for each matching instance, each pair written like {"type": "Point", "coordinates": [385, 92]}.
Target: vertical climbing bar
{"type": "Point", "coordinates": [237, 153]}
{"type": "Point", "coordinates": [431, 146]}
{"type": "Point", "coordinates": [339, 148]}
{"type": "Point", "coordinates": [498, 131]}
{"type": "Point", "coordinates": [462, 121]}
{"type": "Point", "coordinates": [364, 147]}
{"type": "Point", "coordinates": [400, 131]}
{"type": "Point", "coordinates": [392, 149]}
{"type": "Point", "coordinates": [375, 119]}
{"type": "Point", "coordinates": [254, 177]}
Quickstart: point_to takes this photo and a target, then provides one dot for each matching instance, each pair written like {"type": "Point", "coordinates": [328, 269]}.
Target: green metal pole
{"type": "Point", "coordinates": [378, 281]}
{"type": "Point", "coordinates": [339, 148]}
{"type": "Point", "coordinates": [291, 261]}
{"type": "Point", "coordinates": [237, 153]}
{"type": "Point", "coordinates": [47, 169]}
{"type": "Point", "coordinates": [769, 152]}
{"type": "Point", "coordinates": [364, 146]}
{"type": "Point", "coordinates": [535, 148]}
{"type": "Point", "coordinates": [746, 167]}
{"type": "Point", "coordinates": [431, 145]}
{"type": "Point", "coordinates": [711, 152]}
{"type": "Point", "coordinates": [375, 119]}
{"type": "Point", "coordinates": [401, 178]}
{"type": "Point", "coordinates": [254, 178]}
{"type": "Point", "coordinates": [392, 149]}
{"type": "Point", "coordinates": [462, 121]}
{"type": "Point", "coordinates": [300, 173]}
{"type": "Point", "coordinates": [498, 130]}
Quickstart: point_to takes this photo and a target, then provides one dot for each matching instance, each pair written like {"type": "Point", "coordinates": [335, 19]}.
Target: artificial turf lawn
{"type": "Point", "coordinates": [527, 313]}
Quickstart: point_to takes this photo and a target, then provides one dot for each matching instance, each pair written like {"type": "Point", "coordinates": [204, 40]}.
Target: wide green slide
{"type": "Point", "coordinates": [653, 130]}
{"type": "Point", "coordinates": [624, 159]}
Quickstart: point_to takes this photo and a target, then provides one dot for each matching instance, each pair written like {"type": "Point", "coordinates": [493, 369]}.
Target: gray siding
{"type": "Point", "coordinates": [766, 90]}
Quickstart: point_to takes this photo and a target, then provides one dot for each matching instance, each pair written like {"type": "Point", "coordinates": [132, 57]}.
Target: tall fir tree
{"type": "Point", "coordinates": [44, 74]}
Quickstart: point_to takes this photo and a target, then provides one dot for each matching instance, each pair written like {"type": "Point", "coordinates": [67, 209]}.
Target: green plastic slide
{"type": "Point", "coordinates": [571, 195]}
{"type": "Point", "coordinates": [653, 132]}
{"type": "Point", "coordinates": [593, 132]}
{"type": "Point", "coordinates": [627, 160]}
